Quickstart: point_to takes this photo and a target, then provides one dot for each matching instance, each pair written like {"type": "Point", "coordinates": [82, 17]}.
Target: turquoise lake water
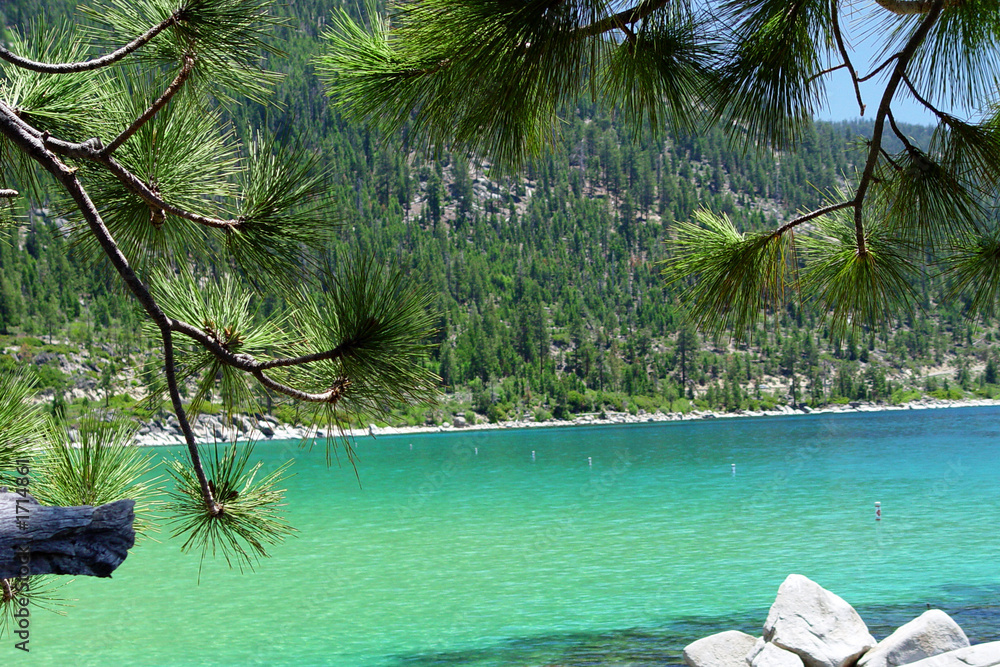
{"type": "Point", "coordinates": [460, 549]}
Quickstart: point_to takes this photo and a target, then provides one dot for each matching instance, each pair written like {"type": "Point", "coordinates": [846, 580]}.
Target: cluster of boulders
{"type": "Point", "coordinates": [808, 626]}
{"type": "Point", "coordinates": [212, 428]}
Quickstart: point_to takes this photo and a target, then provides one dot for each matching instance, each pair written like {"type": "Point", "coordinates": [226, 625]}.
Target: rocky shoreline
{"type": "Point", "coordinates": [808, 626]}
{"type": "Point", "coordinates": [210, 428]}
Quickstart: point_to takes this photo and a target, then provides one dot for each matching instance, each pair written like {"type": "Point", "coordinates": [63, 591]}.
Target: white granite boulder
{"type": "Point", "coordinates": [772, 656]}
{"type": "Point", "coordinates": [725, 649]}
{"type": "Point", "coordinates": [929, 634]}
{"type": "Point", "coordinates": [980, 655]}
{"type": "Point", "coordinates": [817, 625]}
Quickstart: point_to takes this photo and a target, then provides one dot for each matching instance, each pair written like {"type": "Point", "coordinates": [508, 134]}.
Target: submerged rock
{"type": "Point", "coordinates": [817, 625]}
{"type": "Point", "coordinates": [929, 634]}
{"type": "Point", "coordinates": [725, 649]}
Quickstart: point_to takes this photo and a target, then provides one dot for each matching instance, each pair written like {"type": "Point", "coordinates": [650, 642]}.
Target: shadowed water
{"type": "Point", "coordinates": [611, 546]}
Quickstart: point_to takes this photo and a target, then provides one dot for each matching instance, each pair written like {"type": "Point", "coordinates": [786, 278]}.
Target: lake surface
{"type": "Point", "coordinates": [613, 545]}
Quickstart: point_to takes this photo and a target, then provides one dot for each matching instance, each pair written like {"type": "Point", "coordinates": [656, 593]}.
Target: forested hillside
{"type": "Point", "coordinates": [547, 285]}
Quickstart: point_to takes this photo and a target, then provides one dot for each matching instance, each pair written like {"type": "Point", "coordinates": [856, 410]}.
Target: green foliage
{"type": "Point", "coordinates": [767, 82]}
{"type": "Point", "coordinates": [228, 36]}
{"type": "Point", "coordinates": [224, 313]}
{"type": "Point", "coordinates": [490, 76]}
{"type": "Point", "coordinates": [901, 396]}
{"type": "Point", "coordinates": [376, 322]}
{"type": "Point", "coordinates": [23, 426]}
{"type": "Point", "coordinates": [738, 274]}
{"type": "Point", "coordinates": [251, 518]}
{"type": "Point", "coordinates": [100, 468]}
{"type": "Point", "coordinates": [858, 288]}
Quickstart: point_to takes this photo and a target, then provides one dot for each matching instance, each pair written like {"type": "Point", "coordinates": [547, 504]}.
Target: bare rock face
{"type": "Point", "coordinates": [929, 634]}
{"type": "Point", "coordinates": [817, 625]}
{"type": "Point", "coordinates": [980, 655]}
{"type": "Point", "coordinates": [772, 656]}
{"type": "Point", "coordinates": [725, 649]}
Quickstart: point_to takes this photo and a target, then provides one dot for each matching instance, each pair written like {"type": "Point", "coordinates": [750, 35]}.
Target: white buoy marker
{"type": "Point", "coordinates": [734, 470]}
{"type": "Point", "coordinates": [532, 454]}
{"type": "Point", "coordinates": [878, 511]}
{"type": "Point", "coordinates": [590, 462]}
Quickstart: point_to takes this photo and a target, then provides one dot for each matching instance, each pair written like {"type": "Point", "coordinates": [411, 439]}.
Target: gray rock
{"type": "Point", "coordinates": [725, 649]}
{"type": "Point", "coordinates": [265, 428]}
{"type": "Point", "coordinates": [772, 656]}
{"type": "Point", "coordinates": [460, 421]}
{"type": "Point", "coordinates": [757, 648]}
{"type": "Point", "coordinates": [929, 634]}
{"type": "Point", "coordinates": [980, 655]}
{"type": "Point", "coordinates": [817, 625]}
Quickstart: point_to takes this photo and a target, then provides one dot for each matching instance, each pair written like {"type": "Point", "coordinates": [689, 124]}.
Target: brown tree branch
{"type": "Point", "coordinates": [621, 19]}
{"type": "Point", "coordinates": [878, 69]}
{"type": "Point", "coordinates": [847, 59]}
{"type": "Point", "coordinates": [97, 63]}
{"type": "Point", "coordinates": [899, 134]}
{"type": "Point", "coordinates": [930, 107]}
{"type": "Point", "coordinates": [92, 150]}
{"type": "Point", "coordinates": [154, 108]}
{"type": "Point", "coordinates": [246, 362]}
{"type": "Point", "coordinates": [911, 7]}
{"type": "Point", "coordinates": [812, 215]}
{"type": "Point", "coordinates": [35, 147]}
{"type": "Point", "coordinates": [902, 60]}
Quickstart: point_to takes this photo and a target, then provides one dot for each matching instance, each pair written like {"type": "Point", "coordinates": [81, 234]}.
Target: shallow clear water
{"type": "Point", "coordinates": [465, 551]}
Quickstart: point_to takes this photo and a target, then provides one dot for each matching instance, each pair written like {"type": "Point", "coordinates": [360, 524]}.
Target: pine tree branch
{"type": "Point", "coordinates": [878, 69]}
{"type": "Point", "coordinates": [621, 19]}
{"type": "Point", "coordinates": [246, 362]}
{"type": "Point", "coordinates": [899, 134]}
{"type": "Point", "coordinates": [911, 7]}
{"type": "Point", "coordinates": [812, 215]}
{"type": "Point", "coordinates": [888, 158]}
{"type": "Point", "coordinates": [930, 107]}
{"type": "Point", "coordinates": [32, 144]}
{"type": "Point", "coordinates": [155, 107]}
{"type": "Point", "coordinates": [828, 70]}
{"type": "Point", "coordinates": [92, 150]}
{"type": "Point", "coordinates": [902, 60]}
{"type": "Point", "coordinates": [847, 59]}
{"type": "Point", "coordinates": [89, 65]}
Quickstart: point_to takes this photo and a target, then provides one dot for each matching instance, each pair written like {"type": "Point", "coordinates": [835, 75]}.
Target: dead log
{"type": "Point", "coordinates": [83, 540]}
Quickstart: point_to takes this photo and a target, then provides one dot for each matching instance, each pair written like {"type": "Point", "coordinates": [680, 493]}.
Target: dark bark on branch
{"type": "Point", "coordinates": [820, 212]}
{"type": "Point", "coordinates": [911, 7]}
{"type": "Point", "coordinates": [32, 143]}
{"type": "Point", "coordinates": [83, 540]}
{"type": "Point", "coordinates": [884, 108]}
{"type": "Point", "coordinates": [97, 63]}
{"type": "Point", "coordinates": [154, 108]}
{"type": "Point", "coordinates": [847, 60]}
{"type": "Point", "coordinates": [622, 18]}
{"type": "Point", "coordinates": [93, 150]}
